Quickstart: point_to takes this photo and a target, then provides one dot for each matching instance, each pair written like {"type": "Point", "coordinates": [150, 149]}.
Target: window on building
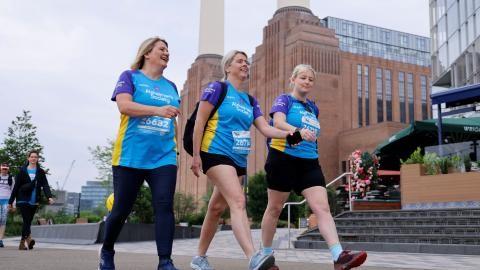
{"type": "Point", "coordinates": [423, 87]}
{"type": "Point", "coordinates": [367, 96]}
{"type": "Point", "coordinates": [370, 33]}
{"type": "Point", "coordinates": [421, 44]}
{"type": "Point", "coordinates": [379, 84]}
{"type": "Point", "coordinates": [347, 28]}
{"type": "Point", "coordinates": [403, 40]}
{"type": "Point", "coordinates": [388, 93]}
{"type": "Point", "coordinates": [360, 31]}
{"type": "Point", "coordinates": [359, 95]}
{"type": "Point", "coordinates": [441, 9]}
{"type": "Point", "coordinates": [452, 19]}
{"type": "Point", "coordinates": [410, 97]}
{"type": "Point", "coordinates": [401, 96]}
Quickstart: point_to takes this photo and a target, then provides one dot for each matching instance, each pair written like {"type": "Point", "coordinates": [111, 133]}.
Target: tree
{"type": "Point", "coordinates": [183, 206]}
{"type": "Point", "coordinates": [258, 199]}
{"type": "Point", "coordinates": [142, 211]}
{"type": "Point", "coordinates": [102, 159]}
{"type": "Point", "coordinates": [21, 137]}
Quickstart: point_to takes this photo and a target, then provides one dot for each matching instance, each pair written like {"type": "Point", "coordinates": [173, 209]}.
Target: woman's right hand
{"type": "Point", "coordinates": [167, 111]}
{"type": "Point", "coordinates": [11, 208]}
{"type": "Point", "coordinates": [308, 135]}
{"type": "Point", "coordinates": [196, 165]}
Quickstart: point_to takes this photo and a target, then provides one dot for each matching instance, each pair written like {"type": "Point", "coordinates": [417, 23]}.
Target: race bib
{"type": "Point", "coordinates": [311, 124]}
{"type": "Point", "coordinates": [241, 142]}
{"type": "Point", "coordinates": [155, 124]}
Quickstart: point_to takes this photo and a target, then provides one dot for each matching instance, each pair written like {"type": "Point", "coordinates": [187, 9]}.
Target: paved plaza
{"type": "Point", "coordinates": [224, 254]}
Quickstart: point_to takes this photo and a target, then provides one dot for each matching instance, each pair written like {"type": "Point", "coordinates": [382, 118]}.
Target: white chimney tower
{"type": "Point", "coordinates": [212, 20]}
{"type": "Point", "coordinates": [289, 3]}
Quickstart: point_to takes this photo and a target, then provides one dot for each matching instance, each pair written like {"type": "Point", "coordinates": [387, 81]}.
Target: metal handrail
{"type": "Point", "coordinates": [288, 204]}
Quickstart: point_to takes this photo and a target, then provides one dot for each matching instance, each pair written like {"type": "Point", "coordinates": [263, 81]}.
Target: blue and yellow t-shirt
{"type": "Point", "coordinates": [228, 131]}
{"type": "Point", "coordinates": [146, 142]}
{"type": "Point", "coordinates": [301, 115]}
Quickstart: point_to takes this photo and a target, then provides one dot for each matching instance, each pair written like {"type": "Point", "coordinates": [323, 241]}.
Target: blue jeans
{"type": "Point", "coordinates": [126, 184]}
{"type": "Point", "coordinates": [3, 211]}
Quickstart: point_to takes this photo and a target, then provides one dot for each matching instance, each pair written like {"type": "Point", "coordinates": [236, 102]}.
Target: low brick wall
{"type": "Point", "coordinates": [453, 190]}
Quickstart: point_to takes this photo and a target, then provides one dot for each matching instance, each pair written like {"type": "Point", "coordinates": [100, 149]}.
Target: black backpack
{"type": "Point", "coordinates": [189, 126]}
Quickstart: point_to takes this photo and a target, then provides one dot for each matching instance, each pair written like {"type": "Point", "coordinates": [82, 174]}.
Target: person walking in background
{"type": "Point", "coordinates": [221, 144]}
{"type": "Point", "coordinates": [29, 182]}
{"type": "Point", "coordinates": [6, 185]}
{"type": "Point", "coordinates": [297, 168]}
{"type": "Point", "coordinates": [145, 149]}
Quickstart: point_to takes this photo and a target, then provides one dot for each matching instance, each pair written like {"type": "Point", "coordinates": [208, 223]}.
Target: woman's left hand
{"type": "Point", "coordinates": [51, 201]}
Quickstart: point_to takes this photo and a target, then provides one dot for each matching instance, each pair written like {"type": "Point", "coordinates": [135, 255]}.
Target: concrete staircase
{"type": "Point", "coordinates": [441, 231]}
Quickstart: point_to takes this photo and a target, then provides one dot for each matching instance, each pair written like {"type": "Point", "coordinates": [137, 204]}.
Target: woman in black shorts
{"type": "Point", "coordinates": [296, 168]}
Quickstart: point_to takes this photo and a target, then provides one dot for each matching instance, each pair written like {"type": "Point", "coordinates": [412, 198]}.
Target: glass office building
{"type": "Point", "coordinates": [94, 194]}
{"type": "Point", "coordinates": [455, 28]}
{"type": "Point", "coordinates": [359, 38]}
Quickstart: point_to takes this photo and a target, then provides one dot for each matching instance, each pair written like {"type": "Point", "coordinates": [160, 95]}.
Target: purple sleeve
{"type": "Point", "coordinates": [257, 111]}
{"type": "Point", "coordinates": [212, 93]}
{"type": "Point", "coordinates": [280, 105]}
{"type": "Point", "coordinates": [124, 85]}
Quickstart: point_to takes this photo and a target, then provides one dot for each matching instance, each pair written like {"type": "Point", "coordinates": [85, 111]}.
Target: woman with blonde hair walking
{"type": "Point", "coordinates": [145, 149]}
{"type": "Point", "coordinates": [297, 168]}
{"type": "Point", "coordinates": [221, 143]}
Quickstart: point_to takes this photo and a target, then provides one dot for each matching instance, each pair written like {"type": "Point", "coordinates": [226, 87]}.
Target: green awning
{"type": "Point", "coordinates": [424, 133]}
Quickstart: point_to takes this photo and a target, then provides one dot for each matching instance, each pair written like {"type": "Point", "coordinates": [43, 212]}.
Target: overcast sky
{"type": "Point", "coordinates": [61, 59]}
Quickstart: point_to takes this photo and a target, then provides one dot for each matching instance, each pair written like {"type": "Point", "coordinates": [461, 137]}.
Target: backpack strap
{"type": "Point", "coordinates": [313, 106]}
{"type": "Point", "coordinates": [223, 94]}
{"type": "Point", "coordinates": [251, 99]}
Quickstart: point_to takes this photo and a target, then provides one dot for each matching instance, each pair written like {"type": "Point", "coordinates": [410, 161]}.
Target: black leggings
{"type": "Point", "coordinates": [126, 184]}
{"type": "Point", "coordinates": [27, 211]}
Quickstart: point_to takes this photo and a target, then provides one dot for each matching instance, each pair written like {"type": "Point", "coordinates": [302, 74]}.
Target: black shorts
{"type": "Point", "coordinates": [210, 160]}
{"type": "Point", "coordinates": [286, 173]}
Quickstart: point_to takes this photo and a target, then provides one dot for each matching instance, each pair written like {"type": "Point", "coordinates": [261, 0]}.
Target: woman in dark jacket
{"type": "Point", "coordinates": [28, 184]}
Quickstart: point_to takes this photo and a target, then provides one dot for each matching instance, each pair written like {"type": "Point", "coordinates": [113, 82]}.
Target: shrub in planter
{"type": "Point", "coordinates": [444, 163]}
{"type": "Point", "coordinates": [457, 163]}
{"type": "Point", "coordinates": [430, 161]}
{"type": "Point", "coordinates": [415, 158]}
{"type": "Point", "coordinates": [467, 163]}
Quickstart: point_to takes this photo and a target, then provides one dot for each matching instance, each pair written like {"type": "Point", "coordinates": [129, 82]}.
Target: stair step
{"type": "Point", "coordinates": [395, 247]}
{"type": "Point", "coordinates": [453, 231]}
{"type": "Point", "coordinates": [456, 230]}
{"type": "Point", "coordinates": [475, 212]}
{"type": "Point", "coordinates": [400, 238]}
{"type": "Point", "coordinates": [418, 221]}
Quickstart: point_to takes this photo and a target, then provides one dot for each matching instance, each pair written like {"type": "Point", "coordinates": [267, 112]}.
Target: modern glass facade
{"type": "Point", "coordinates": [94, 194]}
{"type": "Point", "coordinates": [455, 28]}
{"type": "Point", "coordinates": [423, 91]}
{"type": "Point", "coordinates": [379, 83]}
{"type": "Point", "coordinates": [367, 96]}
{"type": "Point", "coordinates": [411, 113]}
{"type": "Point", "coordinates": [388, 94]}
{"type": "Point", "coordinates": [375, 41]}
{"type": "Point", "coordinates": [401, 95]}
{"type": "Point", "coordinates": [359, 95]}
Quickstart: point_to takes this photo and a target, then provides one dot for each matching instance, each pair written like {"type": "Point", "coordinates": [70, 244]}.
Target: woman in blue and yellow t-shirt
{"type": "Point", "coordinates": [145, 148]}
{"type": "Point", "coordinates": [296, 168]}
{"type": "Point", "coordinates": [220, 148]}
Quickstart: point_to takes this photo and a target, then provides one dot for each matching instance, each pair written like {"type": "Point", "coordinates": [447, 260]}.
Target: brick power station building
{"type": "Point", "coordinates": [371, 82]}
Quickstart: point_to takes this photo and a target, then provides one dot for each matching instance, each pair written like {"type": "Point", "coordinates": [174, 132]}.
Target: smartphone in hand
{"type": "Point", "coordinates": [295, 138]}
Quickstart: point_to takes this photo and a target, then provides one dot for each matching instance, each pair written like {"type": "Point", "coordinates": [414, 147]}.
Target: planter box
{"type": "Point", "coordinates": [438, 191]}
{"type": "Point", "coordinates": [369, 205]}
